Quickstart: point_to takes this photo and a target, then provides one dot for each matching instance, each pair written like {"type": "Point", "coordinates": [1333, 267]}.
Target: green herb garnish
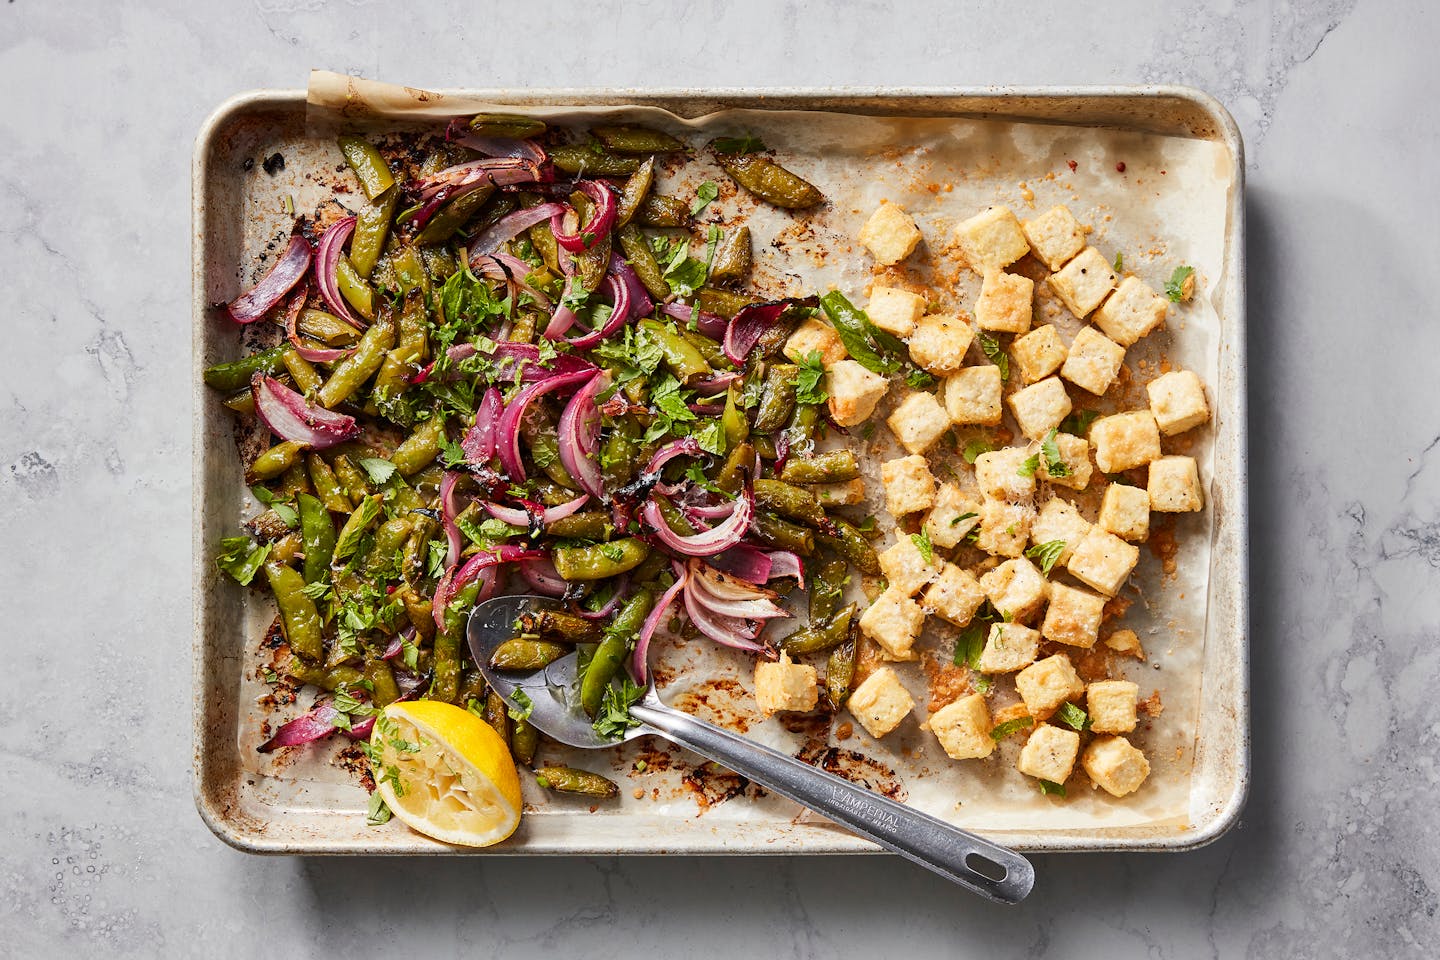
{"type": "Point", "coordinates": [995, 353]}
{"type": "Point", "coordinates": [1055, 465]}
{"type": "Point", "coordinates": [241, 558]}
{"type": "Point", "coordinates": [1010, 726]}
{"type": "Point", "coordinates": [1073, 717]}
{"type": "Point", "coordinates": [923, 544]}
{"type": "Point", "coordinates": [975, 447]}
{"type": "Point", "coordinates": [810, 385]}
{"type": "Point", "coordinates": [1051, 788]}
{"type": "Point", "coordinates": [614, 716]}
{"type": "Point", "coordinates": [705, 194]}
{"type": "Point", "coordinates": [733, 145]}
{"type": "Point", "coordinates": [1047, 553]}
{"type": "Point", "coordinates": [1175, 286]}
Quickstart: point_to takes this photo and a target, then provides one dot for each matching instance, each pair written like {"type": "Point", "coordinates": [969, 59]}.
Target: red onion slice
{"type": "Point", "coordinates": [327, 260]}
{"type": "Point", "coordinates": [449, 509]}
{"type": "Point", "coordinates": [727, 586]}
{"type": "Point", "coordinates": [756, 604]}
{"type": "Point", "coordinates": [622, 590]}
{"type": "Point", "coordinates": [526, 357]}
{"type": "Point", "coordinates": [579, 437]}
{"type": "Point", "coordinates": [510, 226]}
{"type": "Point", "coordinates": [707, 542]}
{"type": "Point", "coordinates": [517, 517]}
{"type": "Point", "coordinates": [619, 313]}
{"type": "Point", "coordinates": [640, 300]}
{"type": "Point", "coordinates": [281, 277]}
{"type": "Point", "coordinates": [498, 172]}
{"type": "Point", "coordinates": [542, 576]}
{"type": "Point", "coordinates": [723, 630]}
{"type": "Point", "coordinates": [498, 146]}
{"type": "Point", "coordinates": [718, 384]}
{"type": "Point", "coordinates": [711, 324]}
{"type": "Point", "coordinates": [639, 665]}
{"type": "Point", "coordinates": [291, 417]}
{"type": "Point", "coordinates": [508, 443]}
{"type": "Point", "coordinates": [747, 326]}
{"type": "Point", "coordinates": [602, 218]}
{"type": "Point", "coordinates": [479, 441]}
{"type": "Point", "coordinates": [511, 269]}
{"type": "Point", "coordinates": [744, 560]}
{"type": "Point", "coordinates": [318, 724]}
{"type": "Point", "coordinates": [783, 563]}
{"type": "Point", "coordinates": [480, 567]}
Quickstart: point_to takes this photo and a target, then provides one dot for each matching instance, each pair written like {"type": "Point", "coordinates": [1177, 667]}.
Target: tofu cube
{"type": "Point", "coordinates": [1073, 616]}
{"type": "Point", "coordinates": [1055, 236]}
{"type": "Point", "coordinates": [890, 234]}
{"type": "Point", "coordinates": [1177, 400]}
{"type": "Point", "coordinates": [939, 342]}
{"type": "Point", "coordinates": [1125, 512]}
{"type": "Point", "coordinates": [785, 686]}
{"type": "Point", "coordinates": [1046, 684]}
{"type": "Point", "coordinates": [1174, 485]}
{"type": "Point", "coordinates": [1131, 312]}
{"type": "Point", "coordinates": [955, 595]}
{"type": "Point", "coordinates": [1059, 520]}
{"type": "Point", "coordinates": [1093, 361]}
{"type": "Point", "coordinates": [954, 515]}
{"type": "Point", "coordinates": [919, 421]}
{"type": "Point", "coordinates": [972, 396]}
{"type": "Point", "coordinates": [893, 621]}
{"type": "Point", "coordinates": [905, 567]}
{"type": "Point", "coordinates": [815, 336]}
{"type": "Point", "coordinates": [1083, 282]}
{"type": "Point", "coordinates": [992, 239]}
{"type": "Point", "coordinates": [1075, 454]}
{"type": "Point", "coordinates": [854, 391]}
{"type": "Point", "coordinates": [1002, 475]}
{"type": "Point", "coordinates": [894, 310]}
{"type": "Point", "coordinates": [1009, 647]}
{"type": "Point", "coordinates": [1111, 705]}
{"type": "Point", "coordinates": [1039, 353]}
{"type": "Point", "coordinates": [1006, 302]}
{"type": "Point", "coordinates": [1040, 407]}
{"type": "Point", "coordinates": [842, 493]}
{"type": "Point", "coordinates": [1004, 527]}
{"type": "Point", "coordinates": [1102, 560]}
{"type": "Point", "coordinates": [880, 702]}
{"type": "Point", "coordinates": [909, 485]}
{"type": "Point", "coordinates": [1125, 440]}
{"type": "Point", "coordinates": [1017, 589]}
{"type": "Point", "coordinates": [1114, 765]}
{"type": "Point", "coordinates": [1049, 754]}
{"type": "Point", "coordinates": [963, 728]}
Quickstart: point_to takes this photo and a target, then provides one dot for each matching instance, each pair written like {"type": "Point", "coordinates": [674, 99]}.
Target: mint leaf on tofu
{"type": "Point", "coordinates": [241, 558]}
{"type": "Point", "coordinates": [1047, 553]}
{"type": "Point", "coordinates": [1077, 423]}
{"type": "Point", "coordinates": [1031, 464]}
{"type": "Point", "coordinates": [1055, 466]}
{"type": "Point", "coordinates": [1073, 717]}
{"type": "Point", "coordinates": [995, 353]}
{"type": "Point", "coordinates": [923, 544]}
{"type": "Point", "coordinates": [810, 386]}
{"type": "Point", "coordinates": [1010, 726]}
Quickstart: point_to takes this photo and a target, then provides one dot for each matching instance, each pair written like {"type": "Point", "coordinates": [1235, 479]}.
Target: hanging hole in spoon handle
{"type": "Point", "coordinates": [973, 862]}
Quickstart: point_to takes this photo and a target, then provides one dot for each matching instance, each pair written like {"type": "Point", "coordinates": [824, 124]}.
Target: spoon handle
{"type": "Point", "coordinates": [1002, 875]}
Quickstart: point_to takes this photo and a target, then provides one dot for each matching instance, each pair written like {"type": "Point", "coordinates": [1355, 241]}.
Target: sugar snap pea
{"type": "Point", "coordinates": [642, 260]}
{"type": "Point", "coordinates": [636, 188]}
{"type": "Point", "coordinates": [733, 420]}
{"type": "Point", "coordinates": [738, 462]}
{"type": "Point", "coordinates": [769, 181]}
{"type": "Point", "coordinates": [722, 303]}
{"type": "Point", "coordinates": [600, 560]}
{"type": "Point", "coordinates": [326, 328]}
{"type": "Point", "coordinates": [454, 215]}
{"type": "Point", "coordinates": [827, 467]}
{"type": "Point", "coordinates": [658, 210]}
{"type": "Point", "coordinates": [352, 372]}
{"type": "Point", "coordinates": [521, 654]}
{"type": "Point", "coordinates": [789, 500]}
{"type": "Point", "coordinates": [369, 166]}
{"type": "Point", "coordinates": [782, 534]}
{"type": "Point", "coordinates": [275, 461]}
{"type": "Point", "coordinates": [680, 355]}
{"type": "Point", "coordinates": [445, 669]}
{"type": "Point", "coordinates": [612, 650]}
{"type": "Point", "coordinates": [524, 741]}
{"type": "Point", "coordinates": [571, 780]}
{"type": "Point", "coordinates": [592, 160]}
{"type": "Point", "coordinates": [318, 532]}
{"type": "Point", "coordinates": [355, 289]}
{"type": "Point", "coordinates": [298, 616]}
{"type": "Point", "coordinates": [302, 371]}
{"type": "Point", "coordinates": [733, 256]}
{"type": "Point", "coordinates": [421, 447]}
{"type": "Point", "coordinates": [851, 544]}
{"type": "Point", "coordinates": [327, 487]}
{"type": "Point", "coordinates": [352, 479]}
{"type": "Point", "coordinates": [383, 690]}
{"type": "Point", "coordinates": [497, 714]}
{"type": "Point", "coordinates": [511, 126]}
{"type": "Point", "coordinates": [561, 626]}
{"type": "Point", "coordinates": [236, 374]}
{"type": "Point", "coordinates": [777, 400]}
{"type": "Point", "coordinates": [840, 674]}
{"type": "Point", "coordinates": [372, 226]}
{"type": "Point", "coordinates": [627, 139]}
{"type": "Point", "coordinates": [591, 525]}
{"type": "Point", "coordinates": [821, 636]}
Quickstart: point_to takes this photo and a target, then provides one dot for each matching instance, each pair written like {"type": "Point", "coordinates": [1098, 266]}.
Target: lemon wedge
{"type": "Point", "coordinates": [446, 773]}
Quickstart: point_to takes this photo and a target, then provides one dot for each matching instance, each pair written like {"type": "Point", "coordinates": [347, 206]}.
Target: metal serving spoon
{"type": "Point", "coordinates": [992, 871]}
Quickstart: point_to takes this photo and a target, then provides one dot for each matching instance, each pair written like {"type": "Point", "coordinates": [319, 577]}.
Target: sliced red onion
{"type": "Point", "coordinates": [718, 384]}
{"type": "Point", "coordinates": [449, 509]}
{"type": "Point", "coordinates": [714, 511]}
{"type": "Point", "coordinates": [479, 441]}
{"type": "Point", "coordinates": [496, 171]}
{"type": "Point", "coordinates": [751, 603]}
{"type": "Point", "coordinates": [542, 576]}
{"type": "Point", "coordinates": [516, 272]}
{"type": "Point", "coordinates": [480, 567]}
{"type": "Point", "coordinates": [711, 324]}
{"type": "Point", "coordinates": [708, 542]}
{"type": "Point", "coordinates": [327, 260]}
{"type": "Point", "coordinates": [291, 417]}
{"type": "Point", "coordinates": [579, 437]}
{"type": "Point", "coordinates": [727, 586]}
{"type": "Point", "coordinates": [398, 644]}
{"type": "Point", "coordinates": [639, 665]}
{"type": "Point", "coordinates": [500, 146]}
{"type": "Point", "coordinates": [324, 354]}
{"type": "Point", "coordinates": [619, 314]}
{"type": "Point", "coordinates": [722, 629]}
{"type": "Point", "coordinates": [783, 563]}
{"type": "Point", "coordinates": [640, 300]}
{"type": "Point", "coordinates": [508, 443]}
{"type": "Point", "coordinates": [283, 274]}
{"type": "Point", "coordinates": [564, 317]}
{"type": "Point", "coordinates": [318, 724]}
{"type": "Point", "coordinates": [517, 517]}
{"type": "Point", "coordinates": [686, 446]}
{"type": "Point", "coordinates": [744, 560]}
{"type": "Point", "coordinates": [622, 589]}
{"type": "Point", "coordinates": [602, 218]}
{"type": "Point", "coordinates": [747, 326]}
{"type": "Point", "coordinates": [526, 357]}
{"type": "Point", "coordinates": [510, 226]}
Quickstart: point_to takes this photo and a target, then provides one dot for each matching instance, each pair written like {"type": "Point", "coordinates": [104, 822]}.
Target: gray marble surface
{"type": "Point", "coordinates": [1338, 854]}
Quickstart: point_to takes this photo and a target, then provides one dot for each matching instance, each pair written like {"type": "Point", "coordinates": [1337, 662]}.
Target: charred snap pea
{"type": "Point", "coordinates": [582, 526]}
{"type": "Point", "coordinates": [592, 159]}
{"type": "Point", "coordinates": [840, 674]}
{"type": "Point", "coordinates": [302, 371]}
{"type": "Point", "coordinates": [636, 189]}
{"type": "Point", "coordinates": [600, 560]}
{"type": "Point", "coordinates": [390, 539]}
{"type": "Point", "coordinates": [544, 242]}
{"type": "Point", "coordinates": [788, 500]}
{"type": "Point", "coordinates": [637, 140]}
{"type": "Point", "coordinates": [421, 447]}
{"type": "Point", "coordinates": [738, 462]}
{"type": "Point", "coordinates": [679, 354]}
{"type": "Point", "coordinates": [722, 303]}
{"type": "Point", "coordinates": [331, 679]}
{"type": "Point", "coordinates": [571, 780]}
{"type": "Point", "coordinates": [524, 741]}
{"type": "Point", "coordinates": [351, 478]}
{"type": "Point", "coordinates": [642, 261]}
{"type": "Point", "coordinates": [822, 636]}
{"type": "Point", "coordinates": [372, 226]}
{"type": "Point", "coordinates": [612, 650]}
{"type": "Point", "coordinates": [383, 690]}
{"type": "Point", "coordinates": [445, 682]}
{"type": "Point", "coordinates": [236, 374]}
{"type": "Point", "coordinates": [472, 686]}
{"type": "Point", "coordinates": [523, 654]}
{"type": "Point", "coordinates": [355, 289]}
{"type": "Point", "coordinates": [497, 714]}
{"type": "Point", "coordinates": [777, 401]}
{"type": "Point", "coordinates": [318, 532]}
{"type": "Point", "coordinates": [827, 583]}
{"type": "Point", "coordinates": [828, 467]}
{"type": "Point", "coordinates": [454, 215]}
{"type": "Point", "coordinates": [409, 268]}
{"type": "Point", "coordinates": [661, 211]}
{"type": "Point", "coordinates": [293, 481]}
{"type": "Point", "coordinates": [713, 353]}
{"type": "Point", "coordinates": [509, 125]}
{"type": "Point", "coordinates": [327, 487]}
{"type": "Point", "coordinates": [275, 461]}
{"type": "Point", "coordinates": [369, 166]}
{"type": "Point", "coordinates": [559, 625]}
{"type": "Point", "coordinates": [769, 181]}
{"type": "Point", "coordinates": [327, 328]}
{"type": "Point", "coordinates": [352, 372]}
{"type": "Point", "coordinates": [733, 421]}
{"type": "Point", "coordinates": [593, 263]}
{"type": "Point", "coordinates": [852, 545]}
{"type": "Point", "coordinates": [782, 534]}
{"type": "Point", "coordinates": [298, 616]}
{"type": "Point", "coordinates": [733, 256]}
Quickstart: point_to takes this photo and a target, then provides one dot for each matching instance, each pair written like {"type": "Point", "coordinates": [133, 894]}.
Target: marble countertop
{"type": "Point", "coordinates": [1338, 853]}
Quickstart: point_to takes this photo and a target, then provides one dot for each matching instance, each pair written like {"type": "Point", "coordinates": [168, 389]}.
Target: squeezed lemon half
{"type": "Point", "coordinates": [446, 773]}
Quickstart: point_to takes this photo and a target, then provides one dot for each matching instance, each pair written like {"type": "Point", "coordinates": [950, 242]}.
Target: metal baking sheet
{"type": "Point", "coordinates": [313, 806]}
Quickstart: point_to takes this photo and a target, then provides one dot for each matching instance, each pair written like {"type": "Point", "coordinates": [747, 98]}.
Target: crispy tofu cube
{"type": "Point", "coordinates": [1040, 407]}
{"type": "Point", "coordinates": [1046, 684]}
{"type": "Point", "coordinates": [1125, 440]}
{"type": "Point", "coordinates": [895, 310]}
{"type": "Point", "coordinates": [1131, 312]}
{"type": "Point", "coordinates": [1006, 302]}
{"type": "Point", "coordinates": [890, 234]}
{"type": "Point", "coordinates": [880, 702]}
{"type": "Point", "coordinates": [1039, 353]}
{"type": "Point", "coordinates": [963, 728]}
{"type": "Point", "coordinates": [1093, 361]}
{"type": "Point", "coordinates": [815, 336]}
{"type": "Point", "coordinates": [939, 343]}
{"type": "Point", "coordinates": [905, 566]}
{"type": "Point", "coordinates": [909, 485]}
{"type": "Point", "coordinates": [854, 391]}
{"type": "Point", "coordinates": [1055, 236]}
{"type": "Point", "coordinates": [955, 595]}
{"type": "Point", "coordinates": [1075, 454]}
{"type": "Point", "coordinates": [1102, 560]}
{"type": "Point", "coordinates": [919, 421]}
{"type": "Point", "coordinates": [1177, 400]}
{"type": "Point", "coordinates": [1009, 647]}
{"type": "Point", "coordinates": [954, 515]}
{"type": "Point", "coordinates": [1017, 589]}
{"type": "Point", "coordinates": [893, 621]}
{"type": "Point", "coordinates": [1059, 520]}
{"type": "Point", "coordinates": [992, 239]}
{"type": "Point", "coordinates": [785, 686]}
{"type": "Point", "coordinates": [1004, 527]}
{"type": "Point", "coordinates": [1049, 754]}
{"type": "Point", "coordinates": [1125, 512]}
{"type": "Point", "coordinates": [1073, 616]}
{"type": "Point", "coordinates": [1115, 765]}
{"type": "Point", "coordinates": [1083, 282]}
{"type": "Point", "coordinates": [842, 493]}
{"type": "Point", "coordinates": [1126, 642]}
{"type": "Point", "coordinates": [973, 395]}
{"type": "Point", "coordinates": [1174, 485]}
{"type": "Point", "coordinates": [1111, 705]}
{"type": "Point", "coordinates": [1002, 474]}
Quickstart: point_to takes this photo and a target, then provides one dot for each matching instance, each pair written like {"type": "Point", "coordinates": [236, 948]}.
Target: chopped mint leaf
{"type": "Point", "coordinates": [975, 447]}
{"type": "Point", "coordinates": [614, 716]}
{"type": "Point", "coordinates": [705, 194]}
{"type": "Point", "coordinates": [1047, 553]}
{"type": "Point", "coordinates": [1055, 465]}
{"type": "Point", "coordinates": [995, 353]}
{"type": "Point", "coordinates": [1078, 422]}
{"type": "Point", "coordinates": [241, 558]}
{"type": "Point", "coordinates": [1010, 726]}
{"type": "Point", "coordinates": [1050, 788]}
{"type": "Point", "coordinates": [377, 813]}
{"type": "Point", "coordinates": [1073, 717]}
{"type": "Point", "coordinates": [1031, 464]}
{"type": "Point", "coordinates": [526, 706]}
{"type": "Point", "coordinates": [1175, 286]}
{"type": "Point", "coordinates": [923, 544]}
{"type": "Point", "coordinates": [810, 386]}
